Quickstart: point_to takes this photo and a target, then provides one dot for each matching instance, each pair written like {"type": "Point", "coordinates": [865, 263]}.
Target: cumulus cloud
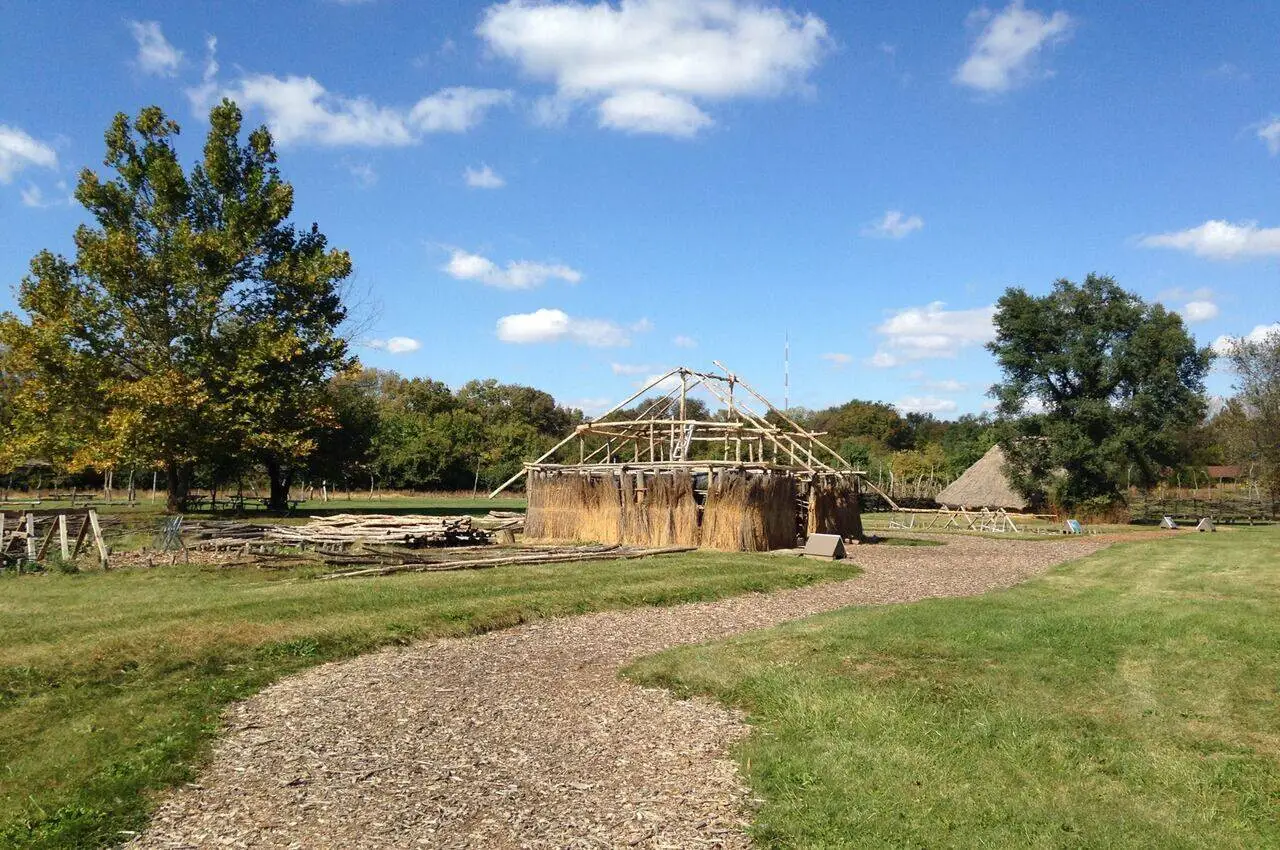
{"type": "Point", "coordinates": [645, 64]}
{"type": "Point", "coordinates": [365, 175]}
{"type": "Point", "coordinates": [395, 345]}
{"type": "Point", "coordinates": [883, 360]}
{"type": "Point", "coordinates": [592, 406]}
{"type": "Point", "coordinates": [945, 385]}
{"type": "Point", "coordinates": [19, 150]}
{"type": "Point", "coordinates": [629, 369]}
{"type": "Point", "coordinates": [642, 326]}
{"type": "Point", "coordinates": [1220, 240]}
{"type": "Point", "coordinates": [1270, 135]}
{"type": "Point", "coordinates": [925, 404]}
{"type": "Point", "coordinates": [920, 333]}
{"type": "Point", "coordinates": [155, 54]}
{"type": "Point", "coordinates": [549, 325]}
{"type": "Point", "coordinates": [894, 225]}
{"type": "Point", "coordinates": [652, 112]}
{"type": "Point", "coordinates": [1223, 345]}
{"type": "Point", "coordinates": [299, 110]}
{"type": "Point", "coordinates": [517, 274]}
{"type": "Point", "coordinates": [1199, 311]}
{"type": "Point", "coordinates": [483, 178]}
{"type": "Point", "coordinates": [1005, 51]}
{"type": "Point", "coordinates": [837, 359]}
{"type": "Point", "coordinates": [682, 341]}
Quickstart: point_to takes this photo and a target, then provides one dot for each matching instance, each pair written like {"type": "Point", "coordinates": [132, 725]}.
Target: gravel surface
{"type": "Point", "coordinates": [528, 737]}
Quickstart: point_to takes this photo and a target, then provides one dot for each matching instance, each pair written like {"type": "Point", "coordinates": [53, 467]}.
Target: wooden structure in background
{"type": "Point", "coordinates": [749, 479]}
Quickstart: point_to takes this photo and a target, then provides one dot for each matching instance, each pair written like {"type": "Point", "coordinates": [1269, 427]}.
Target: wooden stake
{"type": "Point", "coordinates": [97, 538]}
{"type": "Point", "coordinates": [31, 537]}
{"type": "Point", "coordinates": [44, 544]}
{"type": "Point", "coordinates": [80, 536]}
{"type": "Point", "coordinates": [62, 537]}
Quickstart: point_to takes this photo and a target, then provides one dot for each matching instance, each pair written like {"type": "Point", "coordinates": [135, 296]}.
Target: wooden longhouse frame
{"type": "Point", "coordinates": [765, 485]}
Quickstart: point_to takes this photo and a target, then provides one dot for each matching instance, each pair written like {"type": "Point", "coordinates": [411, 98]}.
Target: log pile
{"type": "Point", "coordinates": [409, 530]}
{"type": "Point", "coordinates": [347, 531]}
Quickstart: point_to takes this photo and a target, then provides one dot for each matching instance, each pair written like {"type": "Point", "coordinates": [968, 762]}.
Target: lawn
{"type": "Point", "coordinates": [1126, 700]}
{"type": "Point", "coordinates": [111, 685]}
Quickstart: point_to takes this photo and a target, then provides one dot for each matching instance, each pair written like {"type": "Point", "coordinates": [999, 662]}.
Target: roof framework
{"type": "Point", "coordinates": [662, 437]}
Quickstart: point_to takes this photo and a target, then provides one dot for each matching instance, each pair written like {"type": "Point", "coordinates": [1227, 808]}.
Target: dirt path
{"type": "Point", "coordinates": [528, 737]}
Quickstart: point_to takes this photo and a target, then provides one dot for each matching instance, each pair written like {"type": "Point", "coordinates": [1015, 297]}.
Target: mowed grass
{"type": "Point", "coordinates": [1131, 699]}
{"type": "Point", "coordinates": [111, 685]}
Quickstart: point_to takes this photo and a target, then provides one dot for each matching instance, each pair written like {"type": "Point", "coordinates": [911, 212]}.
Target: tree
{"type": "Point", "coordinates": [1252, 418]}
{"type": "Point", "coordinates": [196, 323]}
{"type": "Point", "coordinates": [1095, 382]}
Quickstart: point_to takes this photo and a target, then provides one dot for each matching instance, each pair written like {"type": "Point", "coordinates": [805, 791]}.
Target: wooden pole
{"type": "Point", "coordinates": [97, 537]}
{"type": "Point", "coordinates": [62, 537]}
{"type": "Point", "coordinates": [31, 537]}
{"type": "Point", "coordinates": [513, 479]}
{"type": "Point", "coordinates": [80, 535]}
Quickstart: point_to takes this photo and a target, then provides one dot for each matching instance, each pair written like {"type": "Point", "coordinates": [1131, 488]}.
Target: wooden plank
{"type": "Point", "coordinates": [80, 536]}
{"type": "Point", "coordinates": [44, 543]}
{"type": "Point", "coordinates": [97, 538]}
{"type": "Point", "coordinates": [62, 537]}
{"type": "Point", "coordinates": [31, 537]}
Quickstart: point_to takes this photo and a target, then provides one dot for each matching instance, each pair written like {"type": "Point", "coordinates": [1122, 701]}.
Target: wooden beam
{"type": "Point", "coordinates": [513, 479]}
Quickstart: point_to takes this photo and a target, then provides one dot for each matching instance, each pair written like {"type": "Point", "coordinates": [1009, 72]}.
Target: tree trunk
{"type": "Point", "coordinates": [177, 484]}
{"type": "Point", "coordinates": [280, 483]}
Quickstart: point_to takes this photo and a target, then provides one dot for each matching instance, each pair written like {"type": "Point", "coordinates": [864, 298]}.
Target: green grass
{"type": "Point", "coordinates": [111, 685]}
{"type": "Point", "coordinates": [1126, 700]}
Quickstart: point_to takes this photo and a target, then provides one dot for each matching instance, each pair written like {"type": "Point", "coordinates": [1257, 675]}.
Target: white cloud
{"type": "Point", "coordinates": [837, 359]}
{"type": "Point", "coordinates": [661, 384]}
{"type": "Point", "coordinates": [592, 406]}
{"type": "Point", "coordinates": [642, 326]}
{"type": "Point", "coordinates": [629, 369]}
{"type": "Point", "coordinates": [155, 54]}
{"type": "Point", "coordinates": [395, 345]}
{"type": "Point", "coordinates": [894, 225]}
{"type": "Point", "coordinates": [945, 385]}
{"type": "Point", "coordinates": [483, 178]}
{"type": "Point", "coordinates": [456, 109]}
{"type": "Point", "coordinates": [682, 341]}
{"type": "Point", "coordinates": [919, 333]}
{"type": "Point", "coordinates": [33, 196]}
{"type": "Point", "coordinates": [645, 63]}
{"type": "Point", "coordinates": [925, 404]}
{"type": "Point", "coordinates": [1223, 345]}
{"type": "Point", "coordinates": [1004, 53]}
{"type": "Point", "coordinates": [1220, 240]}
{"type": "Point", "coordinates": [1270, 135]}
{"type": "Point", "coordinates": [883, 360]}
{"type": "Point", "coordinates": [518, 274]}
{"type": "Point", "coordinates": [364, 174]}
{"type": "Point", "coordinates": [547, 325]}
{"type": "Point", "coordinates": [1199, 311]}
{"type": "Point", "coordinates": [299, 110]}
{"type": "Point", "coordinates": [653, 112]}
{"type": "Point", "coordinates": [18, 150]}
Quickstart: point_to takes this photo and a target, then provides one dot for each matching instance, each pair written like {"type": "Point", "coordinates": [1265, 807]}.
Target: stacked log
{"type": "Point", "coordinates": [409, 530]}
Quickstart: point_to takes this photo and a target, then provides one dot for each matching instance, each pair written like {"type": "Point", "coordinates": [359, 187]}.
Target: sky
{"type": "Point", "coordinates": [579, 195]}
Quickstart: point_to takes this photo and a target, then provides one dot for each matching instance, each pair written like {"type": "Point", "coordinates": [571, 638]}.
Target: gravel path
{"type": "Point", "coordinates": [528, 737]}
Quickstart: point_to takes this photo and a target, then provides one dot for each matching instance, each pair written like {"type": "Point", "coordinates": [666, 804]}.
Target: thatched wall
{"type": "Point", "coordinates": [743, 513]}
{"type": "Point", "coordinates": [749, 513]}
{"type": "Point", "coordinates": [835, 508]}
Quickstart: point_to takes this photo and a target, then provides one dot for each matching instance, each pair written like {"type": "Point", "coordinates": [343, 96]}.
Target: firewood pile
{"type": "Point", "coordinates": [347, 531]}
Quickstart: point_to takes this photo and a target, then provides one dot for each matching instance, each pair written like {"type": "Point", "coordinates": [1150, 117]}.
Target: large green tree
{"type": "Point", "coordinates": [1096, 383]}
{"type": "Point", "coordinates": [195, 322]}
{"type": "Point", "coordinates": [1251, 422]}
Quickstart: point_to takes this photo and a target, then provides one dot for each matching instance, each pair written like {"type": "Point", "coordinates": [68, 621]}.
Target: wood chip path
{"type": "Point", "coordinates": [528, 737]}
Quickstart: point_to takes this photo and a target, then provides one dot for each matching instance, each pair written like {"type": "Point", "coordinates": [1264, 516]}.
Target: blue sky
{"type": "Point", "coordinates": [579, 195]}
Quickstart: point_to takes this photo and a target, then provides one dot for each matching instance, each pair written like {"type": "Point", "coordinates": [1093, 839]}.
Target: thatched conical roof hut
{"type": "Point", "coordinates": [984, 485]}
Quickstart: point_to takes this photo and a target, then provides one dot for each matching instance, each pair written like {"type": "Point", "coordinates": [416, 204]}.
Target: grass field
{"type": "Point", "coordinates": [111, 685]}
{"type": "Point", "coordinates": [1127, 700]}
